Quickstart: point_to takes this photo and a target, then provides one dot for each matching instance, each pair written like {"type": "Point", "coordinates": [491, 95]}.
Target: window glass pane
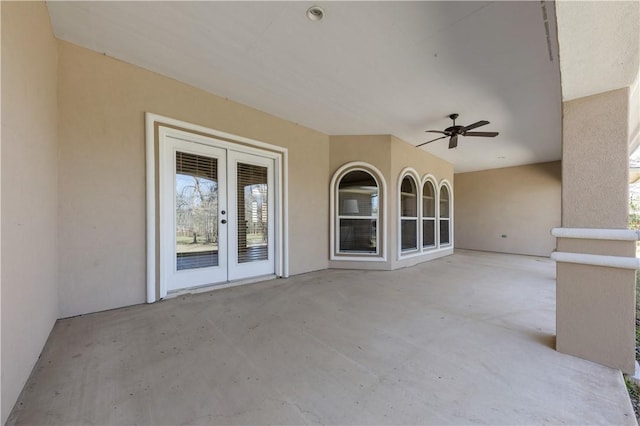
{"type": "Point", "coordinates": [444, 232]}
{"type": "Point", "coordinates": [428, 232]}
{"type": "Point", "coordinates": [408, 198]}
{"type": "Point", "coordinates": [444, 202]}
{"type": "Point", "coordinates": [428, 200]}
{"type": "Point", "coordinates": [358, 235]}
{"type": "Point", "coordinates": [409, 234]}
{"type": "Point", "coordinates": [253, 220]}
{"type": "Point", "coordinates": [358, 195]}
{"type": "Point", "coordinates": [196, 204]}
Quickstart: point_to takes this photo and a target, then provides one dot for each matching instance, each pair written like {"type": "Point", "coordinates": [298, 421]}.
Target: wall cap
{"type": "Point", "coordinates": [597, 234]}
{"type": "Point", "coordinates": [597, 260]}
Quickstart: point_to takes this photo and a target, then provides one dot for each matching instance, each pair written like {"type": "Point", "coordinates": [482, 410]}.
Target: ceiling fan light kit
{"type": "Point", "coordinates": [454, 131]}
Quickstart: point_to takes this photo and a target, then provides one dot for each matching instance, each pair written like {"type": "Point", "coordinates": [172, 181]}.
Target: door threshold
{"type": "Point", "coordinates": [210, 287]}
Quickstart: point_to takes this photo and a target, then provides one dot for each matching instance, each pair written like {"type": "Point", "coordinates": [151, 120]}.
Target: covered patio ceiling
{"type": "Point", "coordinates": [367, 68]}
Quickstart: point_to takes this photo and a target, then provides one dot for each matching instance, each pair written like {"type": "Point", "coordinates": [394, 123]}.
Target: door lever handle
{"type": "Point", "coordinates": [224, 221]}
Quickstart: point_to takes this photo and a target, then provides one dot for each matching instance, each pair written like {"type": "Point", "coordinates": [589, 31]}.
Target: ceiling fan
{"type": "Point", "coordinates": [454, 131]}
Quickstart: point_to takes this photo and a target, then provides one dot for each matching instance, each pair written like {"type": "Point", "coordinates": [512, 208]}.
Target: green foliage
{"type": "Point", "coordinates": [632, 387]}
{"type": "Point", "coordinates": [637, 310]}
{"type": "Point", "coordinates": [634, 212]}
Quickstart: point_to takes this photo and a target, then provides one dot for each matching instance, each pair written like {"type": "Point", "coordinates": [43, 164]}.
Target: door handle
{"type": "Point", "coordinates": [224, 221]}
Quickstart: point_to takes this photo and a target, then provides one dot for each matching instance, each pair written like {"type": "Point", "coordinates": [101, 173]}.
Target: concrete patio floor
{"type": "Point", "coordinates": [464, 339]}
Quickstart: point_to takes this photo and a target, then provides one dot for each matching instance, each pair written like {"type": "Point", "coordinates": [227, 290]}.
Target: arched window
{"type": "Point", "coordinates": [445, 216]}
{"type": "Point", "coordinates": [358, 208]}
{"type": "Point", "coordinates": [408, 214]}
{"type": "Point", "coordinates": [428, 215]}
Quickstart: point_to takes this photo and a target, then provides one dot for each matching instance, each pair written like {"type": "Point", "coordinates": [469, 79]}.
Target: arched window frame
{"type": "Point", "coordinates": [445, 183]}
{"type": "Point", "coordinates": [408, 171]}
{"type": "Point", "coordinates": [436, 190]}
{"type": "Point", "coordinates": [381, 228]}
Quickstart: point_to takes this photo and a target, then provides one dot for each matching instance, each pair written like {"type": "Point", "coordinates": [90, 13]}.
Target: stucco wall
{"type": "Point", "coordinates": [406, 155]}
{"type": "Point", "coordinates": [598, 167]}
{"type": "Point", "coordinates": [29, 188]}
{"type": "Point", "coordinates": [522, 203]}
{"type": "Point", "coordinates": [102, 174]}
{"type": "Point", "coordinates": [595, 305]}
{"type": "Point", "coordinates": [372, 149]}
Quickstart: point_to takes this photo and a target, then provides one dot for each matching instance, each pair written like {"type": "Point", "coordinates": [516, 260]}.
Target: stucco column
{"type": "Point", "coordinates": [595, 304]}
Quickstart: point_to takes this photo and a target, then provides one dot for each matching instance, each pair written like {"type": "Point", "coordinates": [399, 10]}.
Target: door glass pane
{"type": "Point", "coordinates": [253, 213]}
{"type": "Point", "coordinates": [196, 211]}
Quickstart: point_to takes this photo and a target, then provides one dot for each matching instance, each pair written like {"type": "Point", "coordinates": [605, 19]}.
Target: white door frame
{"type": "Point", "coordinates": [153, 144]}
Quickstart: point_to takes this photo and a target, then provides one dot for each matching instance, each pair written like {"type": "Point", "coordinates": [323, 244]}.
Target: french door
{"type": "Point", "coordinates": [251, 212]}
{"type": "Point", "coordinates": [216, 214]}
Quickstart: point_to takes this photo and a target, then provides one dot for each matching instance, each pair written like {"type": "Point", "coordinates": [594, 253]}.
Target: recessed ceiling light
{"type": "Point", "coordinates": [315, 13]}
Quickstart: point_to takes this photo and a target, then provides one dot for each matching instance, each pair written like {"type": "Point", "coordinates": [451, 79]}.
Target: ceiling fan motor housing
{"type": "Point", "coordinates": [454, 130]}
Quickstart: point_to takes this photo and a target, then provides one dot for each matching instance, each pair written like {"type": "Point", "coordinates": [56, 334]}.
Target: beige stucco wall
{"type": "Point", "coordinates": [595, 314]}
{"type": "Point", "coordinates": [372, 149]}
{"type": "Point", "coordinates": [102, 174]}
{"type": "Point", "coordinates": [390, 156]}
{"type": "Point", "coordinates": [523, 203]}
{"type": "Point", "coordinates": [29, 192]}
{"type": "Point", "coordinates": [406, 155]}
{"type": "Point", "coordinates": [595, 317]}
{"type": "Point", "coordinates": [599, 45]}
{"type": "Point", "coordinates": [596, 161]}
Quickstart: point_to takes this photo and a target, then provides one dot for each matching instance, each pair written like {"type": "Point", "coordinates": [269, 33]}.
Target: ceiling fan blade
{"type": "Point", "coordinates": [484, 134]}
{"type": "Point", "coordinates": [453, 142]}
{"type": "Point", "coordinates": [476, 124]}
{"type": "Point", "coordinates": [433, 140]}
{"type": "Point", "coordinates": [436, 131]}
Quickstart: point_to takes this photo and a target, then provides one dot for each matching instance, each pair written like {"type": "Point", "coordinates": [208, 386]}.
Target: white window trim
{"type": "Point", "coordinates": [279, 154]}
{"type": "Point", "coordinates": [436, 231]}
{"type": "Point", "coordinates": [442, 249]}
{"type": "Point", "coordinates": [408, 171]}
{"type": "Point", "coordinates": [381, 228]}
{"type": "Point", "coordinates": [446, 184]}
